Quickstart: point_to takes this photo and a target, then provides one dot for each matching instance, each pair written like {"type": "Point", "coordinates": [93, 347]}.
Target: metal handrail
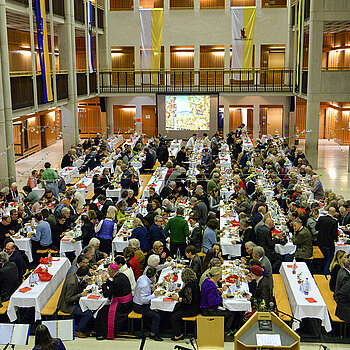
{"type": "Point", "coordinates": [30, 73]}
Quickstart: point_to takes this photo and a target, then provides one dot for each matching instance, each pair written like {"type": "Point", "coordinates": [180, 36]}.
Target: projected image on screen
{"type": "Point", "coordinates": [187, 112]}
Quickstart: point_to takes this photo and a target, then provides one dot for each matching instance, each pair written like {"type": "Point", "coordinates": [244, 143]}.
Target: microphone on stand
{"type": "Point", "coordinates": [190, 341]}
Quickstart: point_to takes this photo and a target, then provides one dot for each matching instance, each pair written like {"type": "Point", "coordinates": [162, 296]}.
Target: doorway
{"type": "Point", "coordinates": [124, 119]}
{"type": "Point", "coordinates": [149, 121]}
{"type": "Point", "coordinates": [271, 120]}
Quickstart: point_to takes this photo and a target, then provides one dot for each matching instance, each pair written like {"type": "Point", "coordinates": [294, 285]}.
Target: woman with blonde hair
{"type": "Point", "coordinates": [140, 232]}
{"type": "Point", "coordinates": [336, 264]}
{"type": "Point", "coordinates": [118, 170]}
{"type": "Point", "coordinates": [106, 230]}
{"type": "Point", "coordinates": [121, 214]}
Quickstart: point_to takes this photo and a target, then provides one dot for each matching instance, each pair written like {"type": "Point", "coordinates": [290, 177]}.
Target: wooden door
{"type": "Point", "coordinates": [263, 122]}
{"type": "Point", "coordinates": [124, 119]}
{"type": "Point", "coordinates": [17, 136]}
{"type": "Point", "coordinates": [276, 64]}
{"type": "Point", "coordinates": [274, 121]}
{"type": "Point", "coordinates": [235, 118]}
{"type": "Point", "coordinates": [249, 127]}
{"type": "Point", "coordinates": [149, 120]}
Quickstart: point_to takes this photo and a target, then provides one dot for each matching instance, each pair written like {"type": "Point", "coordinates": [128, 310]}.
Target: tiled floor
{"type": "Point", "coordinates": [333, 165]}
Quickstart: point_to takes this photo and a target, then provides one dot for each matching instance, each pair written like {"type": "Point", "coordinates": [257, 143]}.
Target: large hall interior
{"type": "Point", "coordinates": [175, 173]}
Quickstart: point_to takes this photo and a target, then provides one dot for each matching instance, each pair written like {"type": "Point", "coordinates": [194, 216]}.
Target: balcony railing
{"type": "Point", "coordinates": [22, 89]}
{"type": "Point", "coordinates": [203, 80]}
{"type": "Point", "coordinates": [57, 6]}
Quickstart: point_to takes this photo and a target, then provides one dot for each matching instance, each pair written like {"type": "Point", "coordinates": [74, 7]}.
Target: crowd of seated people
{"type": "Point", "coordinates": [164, 232]}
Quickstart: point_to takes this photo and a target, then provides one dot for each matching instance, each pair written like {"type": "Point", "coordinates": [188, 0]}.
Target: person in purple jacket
{"type": "Point", "coordinates": [211, 299]}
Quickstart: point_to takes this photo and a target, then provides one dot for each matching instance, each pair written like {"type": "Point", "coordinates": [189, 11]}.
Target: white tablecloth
{"type": "Point", "coordinates": [301, 308]}
{"type": "Point", "coordinates": [288, 248]}
{"type": "Point", "coordinates": [69, 174]}
{"type": "Point", "coordinates": [79, 162]}
{"type": "Point", "coordinates": [345, 247]}
{"type": "Point", "coordinates": [66, 246]}
{"type": "Point", "coordinates": [225, 161]}
{"type": "Point", "coordinates": [116, 193]}
{"type": "Point", "coordinates": [92, 304]}
{"type": "Point", "coordinates": [132, 142]}
{"type": "Point", "coordinates": [158, 303]}
{"type": "Point", "coordinates": [87, 181]}
{"type": "Point", "coordinates": [41, 293]}
{"type": "Point", "coordinates": [159, 182]}
{"type": "Point", "coordinates": [25, 244]}
{"type": "Point", "coordinates": [176, 144]}
{"type": "Point", "coordinates": [39, 190]}
{"type": "Point", "coordinates": [118, 244]}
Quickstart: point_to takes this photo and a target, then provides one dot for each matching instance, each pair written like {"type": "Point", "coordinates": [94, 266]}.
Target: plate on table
{"type": "Point", "coordinates": [232, 278]}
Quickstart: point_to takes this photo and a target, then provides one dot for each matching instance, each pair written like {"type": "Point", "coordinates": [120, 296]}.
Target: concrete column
{"type": "Point", "coordinates": [138, 125]}
{"type": "Point", "coordinates": [68, 126]}
{"type": "Point", "coordinates": [227, 5]}
{"type": "Point", "coordinates": [110, 122]}
{"type": "Point", "coordinates": [226, 119]}
{"type": "Point", "coordinates": [137, 66]}
{"type": "Point", "coordinates": [256, 120]}
{"type": "Point", "coordinates": [166, 6]}
{"type": "Point", "coordinates": [227, 64]}
{"type": "Point", "coordinates": [105, 58]}
{"type": "Point", "coordinates": [4, 175]}
{"type": "Point", "coordinates": [6, 88]}
{"type": "Point", "coordinates": [314, 83]}
{"type": "Point", "coordinates": [290, 40]}
{"type": "Point", "coordinates": [196, 63]}
{"type": "Point", "coordinates": [86, 29]}
{"type": "Point", "coordinates": [97, 63]}
{"type": "Point", "coordinates": [66, 44]}
{"type": "Point", "coordinates": [285, 118]}
{"type": "Point", "coordinates": [196, 5]}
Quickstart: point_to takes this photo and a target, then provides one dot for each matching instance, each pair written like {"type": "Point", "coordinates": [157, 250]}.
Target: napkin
{"type": "Point", "coordinates": [168, 299]}
{"type": "Point", "coordinates": [92, 296]}
{"type": "Point", "coordinates": [25, 289]}
{"type": "Point", "coordinates": [311, 300]}
{"type": "Point", "coordinates": [65, 239]}
{"type": "Point", "coordinates": [290, 266]}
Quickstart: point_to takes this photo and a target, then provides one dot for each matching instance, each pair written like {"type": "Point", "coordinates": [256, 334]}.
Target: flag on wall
{"type": "Point", "coordinates": [243, 26]}
{"type": "Point", "coordinates": [300, 33]}
{"type": "Point", "coordinates": [151, 39]}
{"type": "Point", "coordinates": [91, 57]}
{"type": "Point", "coordinates": [43, 46]}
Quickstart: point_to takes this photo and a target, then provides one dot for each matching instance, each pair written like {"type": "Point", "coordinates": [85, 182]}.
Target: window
{"type": "Point", "coordinates": [181, 4]}
{"type": "Point", "coordinates": [274, 3]}
{"type": "Point", "coordinates": [151, 4]}
{"type": "Point", "coordinates": [122, 5]}
{"type": "Point", "coordinates": [243, 2]}
{"type": "Point", "coordinates": [212, 4]}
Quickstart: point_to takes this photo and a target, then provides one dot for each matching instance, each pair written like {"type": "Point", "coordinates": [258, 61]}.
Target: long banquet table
{"type": "Point", "coordinates": [41, 293]}
{"type": "Point", "coordinates": [301, 307]}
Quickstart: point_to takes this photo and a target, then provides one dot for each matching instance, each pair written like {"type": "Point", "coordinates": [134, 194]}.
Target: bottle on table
{"type": "Point", "coordinates": [306, 287]}
{"type": "Point", "coordinates": [178, 256]}
{"type": "Point", "coordinates": [294, 266]}
{"type": "Point", "coordinates": [49, 260]}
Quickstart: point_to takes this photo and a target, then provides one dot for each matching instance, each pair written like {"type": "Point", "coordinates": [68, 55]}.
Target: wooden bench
{"type": "Point", "coordinates": [4, 307]}
{"type": "Point", "coordinates": [90, 195]}
{"type": "Point", "coordinates": [134, 316]}
{"type": "Point", "coordinates": [327, 295]}
{"type": "Point", "coordinates": [51, 306]}
{"type": "Point", "coordinates": [190, 319]}
{"type": "Point", "coordinates": [281, 297]}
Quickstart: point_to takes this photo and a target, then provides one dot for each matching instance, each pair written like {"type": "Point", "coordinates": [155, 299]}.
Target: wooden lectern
{"type": "Point", "coordinates": [210, 333]}
{"type": "Point", "coordinates": [264, 330]}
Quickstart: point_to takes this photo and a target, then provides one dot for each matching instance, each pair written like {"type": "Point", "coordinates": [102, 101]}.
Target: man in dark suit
{"type": "Point", "coordinates": [168, 190]}
{"type": "Point", "coordinates": [342, 277]}
{"type": "Point", "coordinates": [265, 240]}
{"type": "Point", "coordinates": [72, 291]}
{"type": "Point", "coordinates": [259, 254]}
{"type": "Point", "coordinates": [327, 228]}
{"type": "Point", "coordinates": [263, 291]}
{"type": "Point", "coordinates": [153, 195]}
{"type": "Point", "coordinates": [67, 159]}
{"type": "Point", "coordinates": [8, 277]}
{"type": "Point", "coordinates": [73, 210]}
{"type": "Point", "coordinates": [16, 257]}
{"type": "Point", "coordinates": [201, 209]}
{"type": "Point", "coordinates": [148, 163]}
{"type": "Point", "coordinates": [105, 204]}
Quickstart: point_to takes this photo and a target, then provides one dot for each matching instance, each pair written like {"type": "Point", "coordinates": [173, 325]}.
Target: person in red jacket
{"type": "Point", "coordinates": [132, 260]}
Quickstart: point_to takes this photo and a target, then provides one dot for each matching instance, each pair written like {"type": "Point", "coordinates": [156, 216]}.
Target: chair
{"type": "Point", "coordinates": [4, 306]}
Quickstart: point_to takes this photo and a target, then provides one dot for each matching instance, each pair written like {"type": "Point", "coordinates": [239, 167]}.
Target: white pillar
{"type": "Point", "coordinates": [68, 126]}
{"type": "Point", "coordinates": [313, 89]}
{"type": "Point", "coordinates": [6, 88]}
{"type": "Point", "coordinates": [138, 125]}
{"type": "Point", "coordinates": [227, 64]}
{"type": "Point", "coordinates": [226, 119]}
{"type": "Point", "coordinates": [256, 121]}
{"type": "Point", "coordinates": [196, 63]}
